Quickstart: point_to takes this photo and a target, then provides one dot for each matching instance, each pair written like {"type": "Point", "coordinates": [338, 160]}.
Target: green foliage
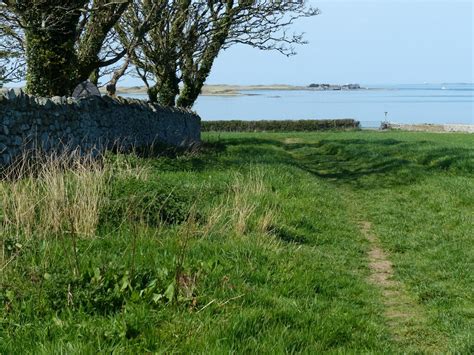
{"type": "Point", "coordinates": [149, 202]}
{"type": "Point", "coordinates": [52, 64]}
{"type": "Point", "coordinates": [278, 126]}
{"type": "Point", "coordinates": [104, 290]}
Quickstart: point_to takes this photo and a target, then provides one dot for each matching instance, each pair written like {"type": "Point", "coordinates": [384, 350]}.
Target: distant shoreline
{"type": "Point", "coordinates": [242, 90]}
{"type": "Point", "coordinates": [235, 90]}
{"type": "Point", "coordinates": [220, 90]}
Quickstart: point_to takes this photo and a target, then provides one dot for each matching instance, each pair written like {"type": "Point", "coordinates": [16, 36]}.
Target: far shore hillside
{"type": "Point", "coordinates": [220, 90]}
{"type": "Point", "coordinates": [237, 90]}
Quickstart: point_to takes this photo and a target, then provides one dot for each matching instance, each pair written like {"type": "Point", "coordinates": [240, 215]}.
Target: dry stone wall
{"type": "Point", "coordinates": [93, 123]}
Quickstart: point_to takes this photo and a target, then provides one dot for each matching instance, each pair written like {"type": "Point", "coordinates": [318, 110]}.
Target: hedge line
{"type": "Point", "coordinates": [278, 126]}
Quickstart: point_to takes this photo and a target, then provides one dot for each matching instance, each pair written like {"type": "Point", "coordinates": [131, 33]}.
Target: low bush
{"type": "Point", "coordinates": [278, 126]}
{"type": "Point", "coordinates": [105, 289]}
{"type": "Point", "coordinates": [149, 202]}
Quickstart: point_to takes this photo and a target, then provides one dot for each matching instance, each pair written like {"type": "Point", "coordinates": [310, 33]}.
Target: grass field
{"type": "Point", "coordinates": [262, 243]}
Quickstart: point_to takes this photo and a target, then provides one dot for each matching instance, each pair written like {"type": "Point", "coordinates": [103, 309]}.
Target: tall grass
{"type": "Point", "coordinates": [59, 195]}
{"type": "Point", "coordinates": [243, 209]}
{"type": "Point", "coordinates": [63, 195]}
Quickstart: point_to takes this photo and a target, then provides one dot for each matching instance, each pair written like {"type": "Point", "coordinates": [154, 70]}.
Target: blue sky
{"type": "Point", "coordinates": [372, 42]}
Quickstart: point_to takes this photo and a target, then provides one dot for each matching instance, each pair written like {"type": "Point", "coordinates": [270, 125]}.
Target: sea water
{"type": "Point", "coordinates": [425, 103]}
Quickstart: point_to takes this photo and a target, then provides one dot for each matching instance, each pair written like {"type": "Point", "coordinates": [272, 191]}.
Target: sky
{"type": "Point", "coordinates": [380, 41]}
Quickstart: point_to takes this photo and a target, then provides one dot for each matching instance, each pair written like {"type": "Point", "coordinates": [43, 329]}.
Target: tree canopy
{"type": "Point", "coordinates": [170, 44]}
{"type": "Point", "coordinates": [187, 36]}
{"type": "Point", "coordinates": [61, 40]}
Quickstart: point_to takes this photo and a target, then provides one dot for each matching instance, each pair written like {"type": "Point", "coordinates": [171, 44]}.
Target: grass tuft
{"type": "Point", "coordinates": [61, 196]}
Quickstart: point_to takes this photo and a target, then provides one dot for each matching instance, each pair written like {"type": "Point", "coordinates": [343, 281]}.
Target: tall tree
{"type": "Point", "coordinates": [157, 51]}
{"type": "Point", "coordinates": [141, 18]}
{"type": "Point", "coordinates": [63, 40]}
{"type": "Point", "coordinates": [188, 36]}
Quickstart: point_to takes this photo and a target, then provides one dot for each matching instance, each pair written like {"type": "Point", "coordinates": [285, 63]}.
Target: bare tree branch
{"type": "Point", "coordinates": [187, 36]}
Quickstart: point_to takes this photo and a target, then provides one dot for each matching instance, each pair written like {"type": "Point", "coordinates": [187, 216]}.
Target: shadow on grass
{"type": "Point", "coordinates": [380, 163]}
{"type": "Point", "coordinates": [362, 163]}
{"type": "Point", "coordinates": [288, 235]}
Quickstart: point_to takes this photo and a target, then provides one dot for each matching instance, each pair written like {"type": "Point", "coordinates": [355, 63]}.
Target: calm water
{"type": "Point", "coordinates": [448, 103]}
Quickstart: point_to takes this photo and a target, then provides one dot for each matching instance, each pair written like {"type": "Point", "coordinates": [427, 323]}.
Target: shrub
{"type": "Point", "coordinates": [278, 126]}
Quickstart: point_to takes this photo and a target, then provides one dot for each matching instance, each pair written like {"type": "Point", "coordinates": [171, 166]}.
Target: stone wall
{"type": "Point", "coordinates": [426, 127]}
{"type": "Point", "coordinates": [32, 123]}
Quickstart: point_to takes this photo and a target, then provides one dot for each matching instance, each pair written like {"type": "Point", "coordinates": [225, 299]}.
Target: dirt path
{"type": "Point", "coordinates": [406, 319]}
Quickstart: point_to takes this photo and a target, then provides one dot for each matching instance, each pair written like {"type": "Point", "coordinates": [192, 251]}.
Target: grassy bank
{"type": "Point", "coordinates": [259, 242]}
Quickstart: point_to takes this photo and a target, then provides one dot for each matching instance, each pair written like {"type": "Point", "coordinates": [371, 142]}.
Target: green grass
{"type": "Point", "coordinates": [254, 245]}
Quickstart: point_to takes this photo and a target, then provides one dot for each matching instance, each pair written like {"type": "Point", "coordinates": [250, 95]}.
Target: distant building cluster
{"type": "Point", "coordinates": [335, 87]}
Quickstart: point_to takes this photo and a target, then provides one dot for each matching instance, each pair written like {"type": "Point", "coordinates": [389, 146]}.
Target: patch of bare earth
{"type": "Point", "coordinates": [293, 140]}
{"type": "Point", "coordinates": [406, 318]}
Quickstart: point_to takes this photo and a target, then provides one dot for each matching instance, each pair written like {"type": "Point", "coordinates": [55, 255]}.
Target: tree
{"type": "Point", "coordinates": [188, 35]}
{"type": "Point", "coordinates": [12, 58]}
{"type": "Point", "coordinates": [144, 15]}
{"type": "Point", "coordinates": [164, 21]}
{"type": "Point", "coordinates": [62, 39]}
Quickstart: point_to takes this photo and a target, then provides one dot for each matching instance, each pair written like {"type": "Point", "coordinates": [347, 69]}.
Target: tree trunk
{"type": "Point", "coordinates": [196, 73]}
{"type": "Point", "coordinates": [189, 94]}
{"type": "Point", "coordinates": [51, 62]}
{"type": "Point", "coordinates": [153, 94]}
{"type": "Point", "coordinates": [112, 85]}
{"type": "Point", "coordinates": [98, 26]}
{"type": "Point", "coordinates": [2, 79]}
{"type": "Point", "coordinates": [168, 89]}
{"type": "Point", "coordinates": [95, 76]}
